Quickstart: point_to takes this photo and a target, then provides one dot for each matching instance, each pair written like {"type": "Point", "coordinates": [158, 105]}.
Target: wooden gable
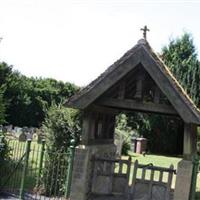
{"type": "Point", "coordinates": [138, 81]}
{"type": "Point", "coordinates": [137, 91]}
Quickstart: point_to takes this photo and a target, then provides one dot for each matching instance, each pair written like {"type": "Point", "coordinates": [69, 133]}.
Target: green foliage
{"type": "Point", "coordinates": [123, 134]}
{"type": "Point", "coordinates": [29, 98]}
{"type": "Point", "coordinates": [2, 108]}
{"type": "Point", "coordinates": [4, 149]}
{"type": "Point", "coordinates": [181, 57]}
{"type": "Point", "coordinates": [61, 125]}
{"type": "Point", "coordinates": [198, 140]}
{"type": "Point", "coordinates": [5, 72]}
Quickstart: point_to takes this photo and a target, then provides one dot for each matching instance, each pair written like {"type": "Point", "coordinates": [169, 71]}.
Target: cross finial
{"type": "Point", "coordinates": [145, 29]}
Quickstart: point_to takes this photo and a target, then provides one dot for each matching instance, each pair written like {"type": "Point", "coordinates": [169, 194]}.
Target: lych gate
{"type": "Point", "coordinates": [139, 81]}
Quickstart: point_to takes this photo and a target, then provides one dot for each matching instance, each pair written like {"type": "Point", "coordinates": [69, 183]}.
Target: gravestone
{"type": "Point", "coordinates": [29, 136]}
{"type": "Point", "coordinates": [8, 128]}
{"type": "Point", "coordinates": [35, 137]}
{"type": "Point", "coordinates": [39, 135]}
{"type": "Point", "coordinates": [22, 137]}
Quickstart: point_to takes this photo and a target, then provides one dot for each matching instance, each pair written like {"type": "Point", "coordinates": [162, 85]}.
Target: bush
{"type": "Point", "coordinates": [4, 149]}
{"type": "Point", "coordinates": [123, 134]}
{"type": "Point", "coordinates": [61, 125]}
{"type": "Point", "coordinates": [4, 154]}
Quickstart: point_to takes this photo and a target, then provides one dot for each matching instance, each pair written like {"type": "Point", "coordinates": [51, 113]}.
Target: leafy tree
{"type": "Point", "coordinates": [5, 72]}
{"type": "Point", "coordinates": [2, 107]}
{"type": "Point", "coordinates": [30, 98]}
{"type": "Point", "coordinates": [181, 57]}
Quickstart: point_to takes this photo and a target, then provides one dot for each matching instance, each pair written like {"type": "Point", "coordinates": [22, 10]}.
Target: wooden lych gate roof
{"type": "Point", "coordinates": [140, 55]}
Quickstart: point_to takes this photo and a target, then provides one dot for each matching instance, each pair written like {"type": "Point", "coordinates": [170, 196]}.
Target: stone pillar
{"type": "Point", "coordinates": [82, 172]}
{"type": "Point", "coordinates": [190, 141]}
{"type": "Point", "coordinates": [185, 167]}
{"type": "Point", "coordinates": [183, 180]}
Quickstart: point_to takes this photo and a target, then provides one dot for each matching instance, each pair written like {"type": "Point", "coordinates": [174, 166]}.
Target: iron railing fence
{"type": "Point", "coordinates": [34, 172]}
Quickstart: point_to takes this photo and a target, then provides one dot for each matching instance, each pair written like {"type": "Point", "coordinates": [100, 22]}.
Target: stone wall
{"type": "Point", "coordinates": [82, 171]}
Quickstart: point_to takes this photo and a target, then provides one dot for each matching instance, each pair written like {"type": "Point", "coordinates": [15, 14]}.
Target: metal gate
{"type": "Point", "coordinates": [33, 172]}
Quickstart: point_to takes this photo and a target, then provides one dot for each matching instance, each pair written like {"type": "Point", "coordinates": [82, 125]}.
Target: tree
{"type": "Point", "coordinates": [2, 107]}
{"type": "Point", "coordinates": [181, 57]}
{"type": "Point", "coordinates": [30, 98]}
{"type": "Point", "coordinates": [5, 72]}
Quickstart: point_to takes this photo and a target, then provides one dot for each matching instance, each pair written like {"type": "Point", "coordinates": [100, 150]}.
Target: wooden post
{"type": "Point", "coordinates": [86, 126]}
{"type": "Point", "coordinates": [190, 141]}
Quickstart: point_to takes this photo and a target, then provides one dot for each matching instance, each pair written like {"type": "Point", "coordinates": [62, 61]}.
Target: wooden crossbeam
{"type": "Point", "coordinates": [137, 106]}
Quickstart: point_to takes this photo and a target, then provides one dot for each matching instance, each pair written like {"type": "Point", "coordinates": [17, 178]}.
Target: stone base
{"type": "Point", "coordinates": [183, 180]}
{"type": "Point", "coordinates": [82, 171]}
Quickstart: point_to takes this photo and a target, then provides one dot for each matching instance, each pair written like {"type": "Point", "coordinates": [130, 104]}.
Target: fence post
{"type": "Point", "coordinates": [194, 177]}
{"type": "Point", "coordinates": [70, 168]}
{"type": "Point", "coordinates": [28, 146]}
{"type": "Point", "coordinates": [41, 162]}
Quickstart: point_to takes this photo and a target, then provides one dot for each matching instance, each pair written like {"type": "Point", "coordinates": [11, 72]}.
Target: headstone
{"type": "Point", "coordinates": [29, 136]}
{"type": "Point", "coordinates": [8, 128]}
{"type": "Point", "coordinates": [35, 137]}
{"type": "Point", "coordinates": [31, 130]}
{"type": "Point", "coordinates": [38, 135]}
{"type": "Point", "coordinates": [22, 137]}
{"type": "Point", "coordinates": [25, 129]}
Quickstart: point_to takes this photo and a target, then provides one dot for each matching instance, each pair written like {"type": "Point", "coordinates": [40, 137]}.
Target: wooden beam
{"type": "Point", "coordinates": [103, 109]}
{"type": "Point", "coordinates": [139, 87]}
{"type": "Point", "coordinates": [137, 106]}
{"type": "Point", "coordinates": [121, 92]}
{"type": "Point", "coordinates": [156, 95]}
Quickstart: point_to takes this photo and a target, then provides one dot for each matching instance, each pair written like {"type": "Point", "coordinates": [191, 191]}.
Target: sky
{"type": "Point", "coordinates": [76, 40]}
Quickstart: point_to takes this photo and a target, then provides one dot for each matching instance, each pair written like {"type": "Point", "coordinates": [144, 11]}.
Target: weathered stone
{"type": "Point", "coordinates": [82, 172]}
{"type": "Point", "coordinates": [183, 180]}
